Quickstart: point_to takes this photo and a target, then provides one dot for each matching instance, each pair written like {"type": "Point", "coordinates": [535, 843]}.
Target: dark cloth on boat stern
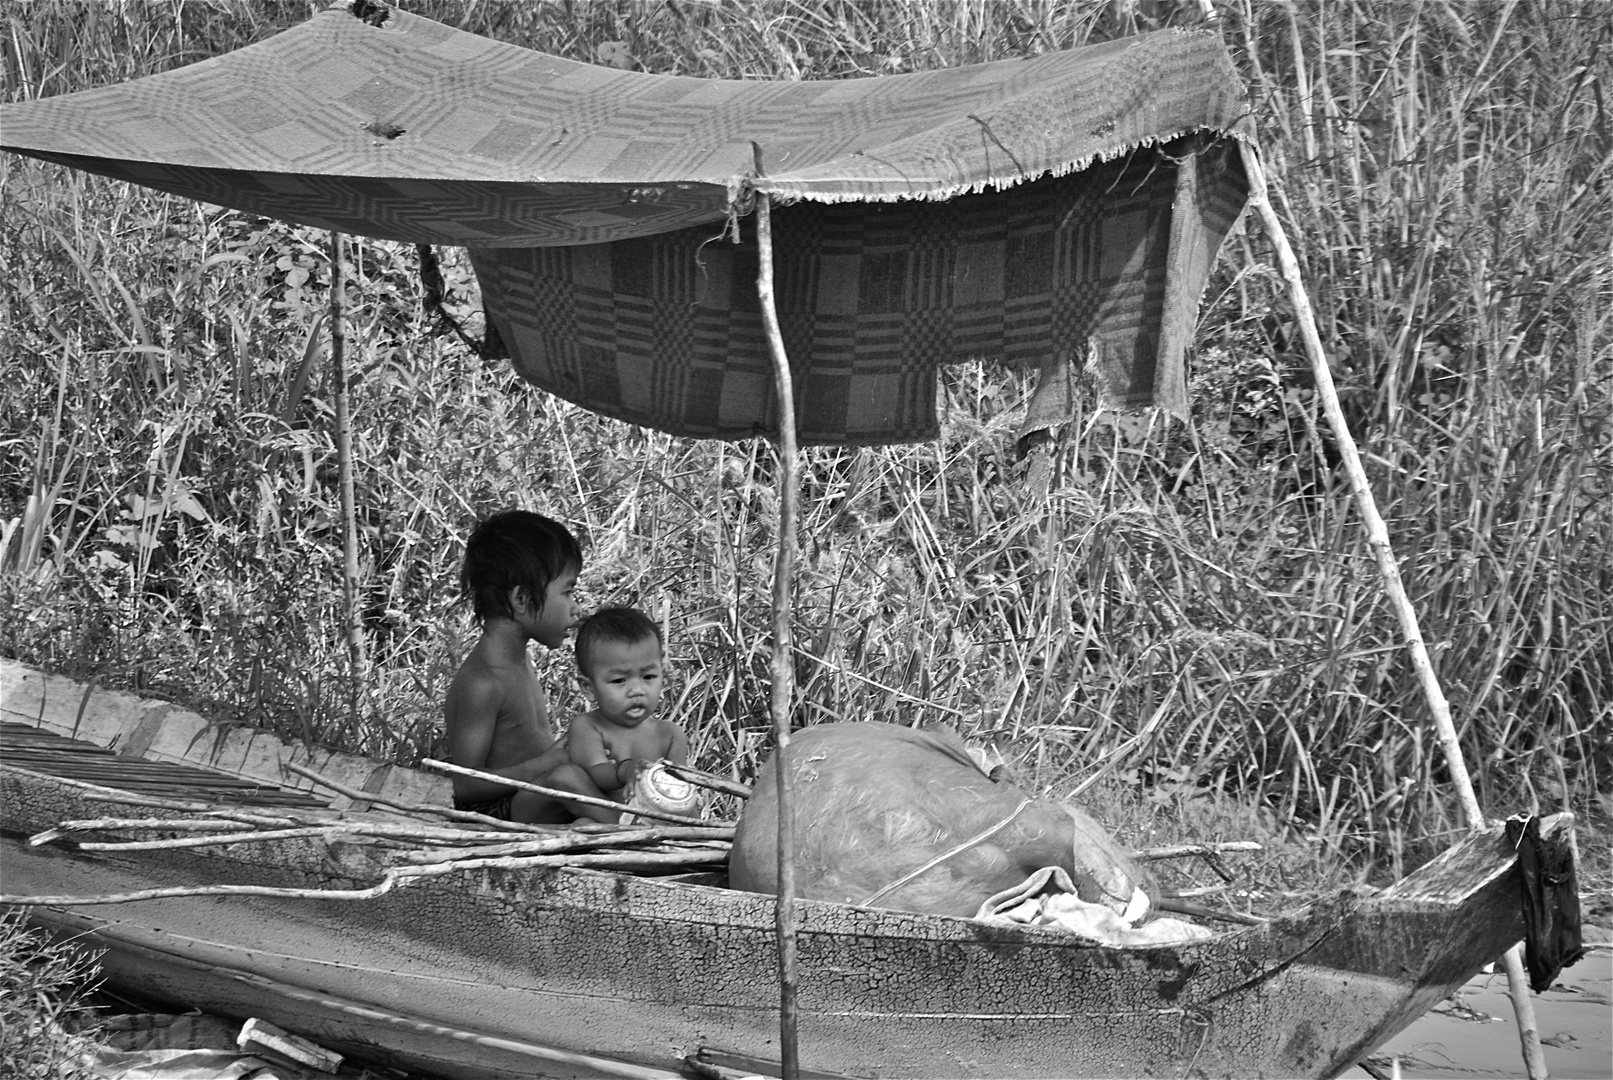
{"type": "Point", "coordinates": [1551, 917]}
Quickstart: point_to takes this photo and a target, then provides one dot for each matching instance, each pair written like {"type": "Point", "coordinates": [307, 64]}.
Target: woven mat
{"type": "Point", "coordinates": [873, 298]}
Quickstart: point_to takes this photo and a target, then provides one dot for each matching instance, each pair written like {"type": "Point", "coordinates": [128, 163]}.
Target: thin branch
{"type": "Point", "coordinates": [1182, 851]}
{"type": "Point", "coordinates": [564, 796]}
{"type": "Point", "coordinates": [451, 814]}
{"type": "Point", "coordinates": [402, 875]}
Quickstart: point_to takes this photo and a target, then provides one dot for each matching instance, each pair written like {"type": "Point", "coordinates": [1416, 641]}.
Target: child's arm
{"type": "Point", "coordinates": [678, 752]}
{"type": "Point", "coordinates": [471, 717]}
{"type": "Point", "coordinates": [536, 770]}
{"type": "Point", "coordinates": [587, 749]}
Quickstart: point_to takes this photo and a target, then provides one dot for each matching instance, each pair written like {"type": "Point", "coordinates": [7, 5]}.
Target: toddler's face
{"type": "Point", "coordinates": [626, 679]}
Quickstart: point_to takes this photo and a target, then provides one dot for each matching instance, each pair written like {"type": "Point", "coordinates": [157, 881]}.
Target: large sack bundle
{"type": "Point", "coordinates": [876, 802]}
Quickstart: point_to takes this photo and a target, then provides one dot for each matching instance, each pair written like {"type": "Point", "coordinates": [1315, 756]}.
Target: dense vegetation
{"type": "Point", "coordinates": [1190, 607]}
{"type": "Point", "coordinates": [46, 1029]}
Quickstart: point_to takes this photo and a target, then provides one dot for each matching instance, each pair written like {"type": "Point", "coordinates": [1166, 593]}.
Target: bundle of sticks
{"type": "Point", "coordinates": [422, 840]}
{"type": "Point", "coordinates": [417, 841]}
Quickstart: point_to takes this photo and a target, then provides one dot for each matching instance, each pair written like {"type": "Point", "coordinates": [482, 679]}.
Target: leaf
{"type": "Point", "coordinates": [223, 257]}
{"type": "Point", "coordinates": [181, 499]}
{"type": "Point", "coordinates": [614, 54]}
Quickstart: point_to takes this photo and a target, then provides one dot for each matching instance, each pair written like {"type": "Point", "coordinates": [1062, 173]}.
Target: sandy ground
{"type": "Point", "coordinates": [1475, 1033]}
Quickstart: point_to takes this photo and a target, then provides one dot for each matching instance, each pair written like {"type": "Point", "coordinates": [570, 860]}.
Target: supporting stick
{"type": "Point", "coordinates": [709, 781]}
{"type": "Point", "coordinates": [565, 796]}
{"type": "Point", "coordinates": [1378, 540]}
{"type": "Point", "coordinates": [344, 470]}
{"type": "Point", "coordinates": [467, 816]}
{"type": "Point", "coordinates": [783, 666]}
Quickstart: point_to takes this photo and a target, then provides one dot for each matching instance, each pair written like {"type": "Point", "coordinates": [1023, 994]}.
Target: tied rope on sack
{"type": "Point", "coordinates": [904, 818]}
{"type": "Point", "coordinates": [939, 859]}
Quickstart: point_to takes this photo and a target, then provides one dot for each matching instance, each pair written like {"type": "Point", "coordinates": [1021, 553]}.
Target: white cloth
{"type": "Point", "coordinates": [1048, 898]}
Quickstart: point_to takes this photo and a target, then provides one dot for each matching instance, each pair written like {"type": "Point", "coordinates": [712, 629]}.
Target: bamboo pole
{"type": "Point", "coordinates": [565, 796]}
{"type": "Point", "coordinates": [344, 469]}
{"type": "Point", "coordinates": [330, 828]}
{"type": "Point", "coordinates": [574, 842]}
{"type": "Point", "coordinates": [709, 781]}
{"type": "Point", "coordinates": [257, 836]}
{"type": "Point", "coordinates": [1389, 569]}
{"type": "Point", "coordinates": [782, 669]}
{"type": "Point", "coordinates": [466, 816]}
{"type": "Point", "coordinates": [130, 824]}
{"type": "Point", "coordinates": [405, 830]}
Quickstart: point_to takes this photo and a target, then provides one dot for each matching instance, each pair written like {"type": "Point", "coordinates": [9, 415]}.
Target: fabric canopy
{"type": "Point", "coordinates": [1061, 210]}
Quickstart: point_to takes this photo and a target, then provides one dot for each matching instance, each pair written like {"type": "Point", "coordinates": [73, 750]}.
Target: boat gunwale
{"type": "Point", "coordinates": [514, 884]}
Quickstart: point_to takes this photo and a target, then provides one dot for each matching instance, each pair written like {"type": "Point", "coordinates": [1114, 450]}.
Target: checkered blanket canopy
{"type": "Point", "coordinates": [1061, 210]}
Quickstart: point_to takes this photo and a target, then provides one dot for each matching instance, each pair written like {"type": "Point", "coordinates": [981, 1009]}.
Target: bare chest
{"type": "Point", "coordinates": [644, 742]}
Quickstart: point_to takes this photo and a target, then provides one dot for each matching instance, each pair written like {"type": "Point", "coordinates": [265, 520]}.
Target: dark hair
{"type": "Point", "coordinates": [620, 624]}
{"type": "Point", "coordinates": [515, 549]}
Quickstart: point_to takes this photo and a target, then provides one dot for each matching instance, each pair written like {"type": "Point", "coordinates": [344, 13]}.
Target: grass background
{"type": "Point", "coordinates": [1186, 613]}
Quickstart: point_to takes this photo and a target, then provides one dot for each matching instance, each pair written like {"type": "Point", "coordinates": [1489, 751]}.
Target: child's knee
{"type": "Point", "coordinates": [531, 808]}
{"type": "Point", "coordinates": [564, 777]}
{"type": "Point", "coordinates": [573, 778]}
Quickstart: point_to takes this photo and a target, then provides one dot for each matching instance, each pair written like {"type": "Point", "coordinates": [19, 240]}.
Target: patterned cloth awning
{"type": "Point", "coordinates": [1061, 210]}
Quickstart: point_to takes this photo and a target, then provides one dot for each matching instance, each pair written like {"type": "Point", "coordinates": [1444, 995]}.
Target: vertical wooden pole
{"type": "Point", "coordinates": [1389, 569]}
{"type": "Point", "coordinates": [783, 666]}
{"type": "Point", "coordinates": [352, 628]}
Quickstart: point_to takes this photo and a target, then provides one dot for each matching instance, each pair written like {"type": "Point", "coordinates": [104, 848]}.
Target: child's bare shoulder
{"type": "Point", "coordinates": [476, 686]}
{"type": "Point", "coordinates": [583, 721]}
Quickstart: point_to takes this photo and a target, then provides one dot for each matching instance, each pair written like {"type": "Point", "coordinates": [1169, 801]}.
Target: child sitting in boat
{"type": "Point", "coordinates": [619, 655]}
{"type": "Point", "coordinates": [519, 573]}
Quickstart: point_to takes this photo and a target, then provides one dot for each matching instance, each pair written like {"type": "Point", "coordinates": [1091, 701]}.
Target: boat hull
{"type": "Point", "coordinates": [606, 966]}
{"type": "Point", "coordinates": [562, 971]}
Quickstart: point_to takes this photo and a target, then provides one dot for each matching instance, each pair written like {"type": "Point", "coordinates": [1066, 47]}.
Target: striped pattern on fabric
{"type": "Point", "coordinates": [874, 298]}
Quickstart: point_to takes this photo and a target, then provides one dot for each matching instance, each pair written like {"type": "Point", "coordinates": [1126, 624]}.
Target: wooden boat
{"type": "Point", "coordinates": [567, 971]}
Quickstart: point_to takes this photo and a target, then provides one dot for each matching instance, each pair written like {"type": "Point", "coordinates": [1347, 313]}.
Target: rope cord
{"type": "Point", "coordinates": [939, 859]}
